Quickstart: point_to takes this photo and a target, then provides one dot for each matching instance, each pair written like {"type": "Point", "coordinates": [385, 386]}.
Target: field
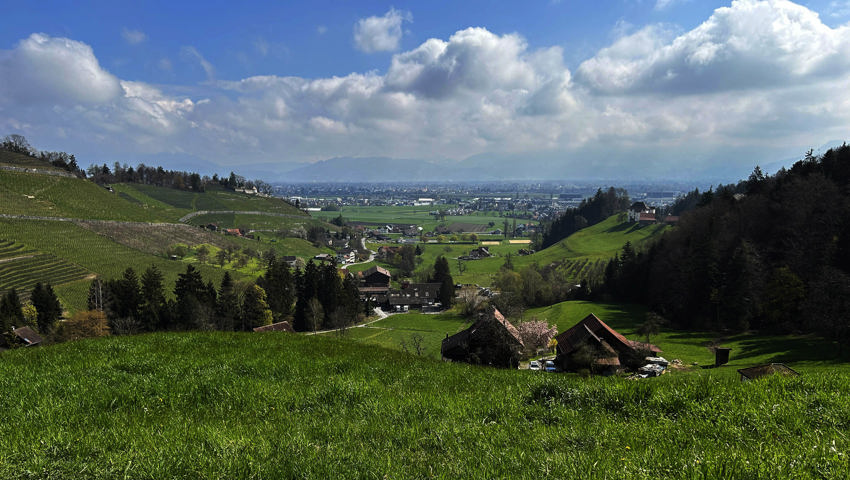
{"type": "Point", "coordinates": [93, 252]}
{"type": "Point", "coordinates": [21, 268]}
{"type": "Point", "coordinates": [420, 216]}
{"type": "Point", "coordinates": [51, 196]}
{"type": "Point", "coordinates": [215, 198]}
{"type": "Point", "coordinates": [226, 405]}
{"type": "Point", "coordinates": [582, 255]}
{"type": "Point", "coordinates": [18, 160]}
{"type": "Point", "coordinates": [260, 222]}
{"type": "Point", "coordinates": [395, 329]}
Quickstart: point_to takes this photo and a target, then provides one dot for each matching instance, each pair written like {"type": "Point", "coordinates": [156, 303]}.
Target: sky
{"type": "Point", "coordinates": [638, 89]}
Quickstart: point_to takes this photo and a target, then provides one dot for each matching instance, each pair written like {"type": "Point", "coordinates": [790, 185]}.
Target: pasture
{"type": "Point", "coordinates": [241, 405]}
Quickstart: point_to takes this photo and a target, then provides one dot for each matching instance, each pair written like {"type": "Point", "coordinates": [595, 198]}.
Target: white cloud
{"type": "Point", "coordinates": [321, 29]}
{"type": "Point", "coordinates": [44, 70]}
{"type": "Point", "coordinates": [640, 105]}
{"type": "Point", "coordinates": [664, 4]}
{"type": "Point", "coordinates": [380, 34]}
{"type": "Point", "coordinates": [191, 53]}
{"type": "Point", "coordinates": [133, 37]}
{"type": "Point", "coordinates": [750, 44]}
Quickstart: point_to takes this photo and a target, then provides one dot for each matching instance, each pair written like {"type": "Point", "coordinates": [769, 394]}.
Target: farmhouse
{"type": "Point", "coordinates": [415, 295]}
{"type": "Point", "coordinates": [347, 255]}
{"type": "Point", "coordinates": [491, 340]}
{"type": "Point", "coordinates": [637, 209]}
{"type": "Point", "coordinates": [594, 345]}
{"type": "Point", "coordinates": [374, 284]}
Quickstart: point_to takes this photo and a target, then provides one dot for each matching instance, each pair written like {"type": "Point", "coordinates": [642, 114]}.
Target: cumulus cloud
{"type": "Point", "coordinates": [43, 70]}
{"type": "Point", "coordinates": [380, 34]}
{"type": "Point", "coordinates": [750, 44]}
{"type": "Point", "coordinates": [640, 104]}
{"type": "Point", "coordinates": [133, 37]}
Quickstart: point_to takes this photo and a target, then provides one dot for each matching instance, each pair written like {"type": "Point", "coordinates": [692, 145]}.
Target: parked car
{"type": "Point", "coordinates": [549, 366]}
{"type": "Point", "coordinates": [534, 365]}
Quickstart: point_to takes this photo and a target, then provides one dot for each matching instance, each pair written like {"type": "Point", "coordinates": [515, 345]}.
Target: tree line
{"type": "Point", "coordinates": [769, 253]}
{"type": "Point", "coordinates": [19, 144]}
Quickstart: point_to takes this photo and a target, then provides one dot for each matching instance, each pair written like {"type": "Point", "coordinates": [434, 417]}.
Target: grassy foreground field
{"type": "Point", "coordinates": [216, 405]}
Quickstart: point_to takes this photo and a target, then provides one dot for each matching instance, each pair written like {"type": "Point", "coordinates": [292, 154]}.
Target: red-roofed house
{"type": "Point", "coordinates": [591, 343]}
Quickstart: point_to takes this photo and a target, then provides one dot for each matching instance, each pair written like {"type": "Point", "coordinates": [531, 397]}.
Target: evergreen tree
{"type": "Point", "coordinates": [47, 307]}
{"type": "Point", "coordinates": [11, 311]}
{"type": "Point", "coordinates": [255, 309]}
{"type": "Point", "coordinates": [192, 306]}
{"type": "Point", "coordinates": [308, 287]}
{"type": "Point", "coordinates": [443, 276]}
{"type": "Point", "coordinates": [280, 288]}
{"type": "Point", "coordinates": [227, 307]}
{"type": "Point", "coordinates": [152, 314]}
{"type": "Point", "coordinates": [329, 292]}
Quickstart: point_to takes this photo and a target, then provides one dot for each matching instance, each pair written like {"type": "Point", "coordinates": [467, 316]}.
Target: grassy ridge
{"type": "Point", "coordinates": [216, 405]}
{"type": "Point", "coordinates": [25, 161]}
{"type": "Point", "coordinates": [214, 198]}
{"type": "Point", "coordinates": [51, 196]}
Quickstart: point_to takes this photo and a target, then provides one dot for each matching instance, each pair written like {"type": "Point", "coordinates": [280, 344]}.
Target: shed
{"type": "Point", "coordinates": [602, 344]}
{"type": "Point", "coordinates": [491, 340]}
{"type": "Point", "coordinates": [27, 336]}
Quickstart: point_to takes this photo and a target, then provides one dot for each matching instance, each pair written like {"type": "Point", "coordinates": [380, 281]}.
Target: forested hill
{"type": "Point", "coordinates": [771, 253]}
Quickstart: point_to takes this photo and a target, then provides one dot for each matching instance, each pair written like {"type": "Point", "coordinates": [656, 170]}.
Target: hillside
{"type": "Point", "coordinates": [12, 159]}
{"type": "Point", "coordinates": [91, 231]}
{"type": "Point", "coordinates": [217, 405]}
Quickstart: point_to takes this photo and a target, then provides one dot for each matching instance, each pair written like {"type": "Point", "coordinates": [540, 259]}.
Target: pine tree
{"type": "Point", "coordinates": [152, 313]}
{"type": "Point", "coordinates": [227, 308]}
{"type": "Point", "coordinates": [47, 307]}
{"type": "Point", "coordinates": [11, 311]}
{"type": "Point", "coordinates": [279, 286]}
{"type": "Point", "coordinates": [443, 276]}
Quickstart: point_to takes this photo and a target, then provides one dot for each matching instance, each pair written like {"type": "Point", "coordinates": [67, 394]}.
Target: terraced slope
{"type": "Point", "coordinates": [22, 267]}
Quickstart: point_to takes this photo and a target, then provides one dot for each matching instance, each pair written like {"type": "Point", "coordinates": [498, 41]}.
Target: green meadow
{"type": "Point", "coordinates": [239, 405]}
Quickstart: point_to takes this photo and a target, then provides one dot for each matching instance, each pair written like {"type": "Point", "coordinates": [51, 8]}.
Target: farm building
{"type": "Point", "coordinates": [639, 208]}
{"type": "Point", "coordinates": [416, 295]}
{"type": "Point", "coordinates": [374, 285]}
{"type": "Point", "coordinates": [594, 345]}
{"type": "Point", "coordinates": [491, 340]}
{"type": "Point", "coordinates": [27, 336]}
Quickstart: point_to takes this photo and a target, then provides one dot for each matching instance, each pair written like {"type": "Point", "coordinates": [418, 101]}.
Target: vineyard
{"type": "Point", "coordinates": [21, 268]}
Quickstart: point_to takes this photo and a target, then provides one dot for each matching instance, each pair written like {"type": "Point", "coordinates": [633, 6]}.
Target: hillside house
{"type": "Point", "coordinates": [491, 340]}
{"type": "Point", "coordinates": [374, 285]}
{"type": "Point", "coordinates": [386, 252]}
{"type": "Point", "coordinates": [592, 344]}
{"type": "Point", "coordinates": [345, 256]}
{"type": "Point", "coordinates": [324, 257]}
{"type": "Point", "coordinates": [480, 252]}
{"type": "Point", "coordinates": [233, 231]}
{"type": "Point", "coordinates": [645, 219]}
{"type": "Point", "coordinates": [414, 295]}
{"type": "Point", "coordinates": [290, 260]}
{"type": "Point", "coordinates": [637, 209]}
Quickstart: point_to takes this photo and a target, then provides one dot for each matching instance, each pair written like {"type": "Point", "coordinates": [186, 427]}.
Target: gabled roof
{"type": "Point", "coordinates": [377, 269]}
{"type": "Point", "coordinates": [497, 315]}
{"type": "Point", "coordinates": [637, 206]}
{"type": "Point", "coordinates": [591, 327]}
{"type": "Point", "coordinates": [27, 335]}
{"type": "Point", "coordinates": [646, 217]}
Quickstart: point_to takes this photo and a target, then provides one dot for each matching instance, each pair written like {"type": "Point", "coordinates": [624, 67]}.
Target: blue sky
{"type": "Point", "coordinates": [658, 89]}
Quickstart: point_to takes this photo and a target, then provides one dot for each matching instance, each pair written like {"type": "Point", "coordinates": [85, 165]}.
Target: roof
{"type": "Point", "coordinates": [27, 335]}
{"type": "Point", "coordinates": [638, 206]}
{"type": "Point", "coordinates": [276, 327]}
{"type": "Point", "coordinates": [646, 217]}
{"type": "Point", "coordinates": [758, 371]}
{"type": "Point", "coordinates": [497, 315]}
{"type": "Point", "coordinates": [462, 338]}
{"type": "Point", "coordinates": [377, 269]}
{"type": "Point", "coordinates": [592, 327]}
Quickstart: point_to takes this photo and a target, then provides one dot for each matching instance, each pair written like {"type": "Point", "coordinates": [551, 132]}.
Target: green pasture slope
{"type": "Point", "coordinates": [52, 196]}
{"type": "Point", "coordinates": [382, 215]}
{"type": "Point", "coordinates": [215, 198]}
{"type": "Point", "coordinates": [581, 255]}
{"type": "Point", "coordinates": [17, 160]}
{"type": "Point", "coordinates": [231, 405]}
{"type": "Point", "coordinates": [94, 253]}
{"type": "Point", "coordinates": [272, 223]}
